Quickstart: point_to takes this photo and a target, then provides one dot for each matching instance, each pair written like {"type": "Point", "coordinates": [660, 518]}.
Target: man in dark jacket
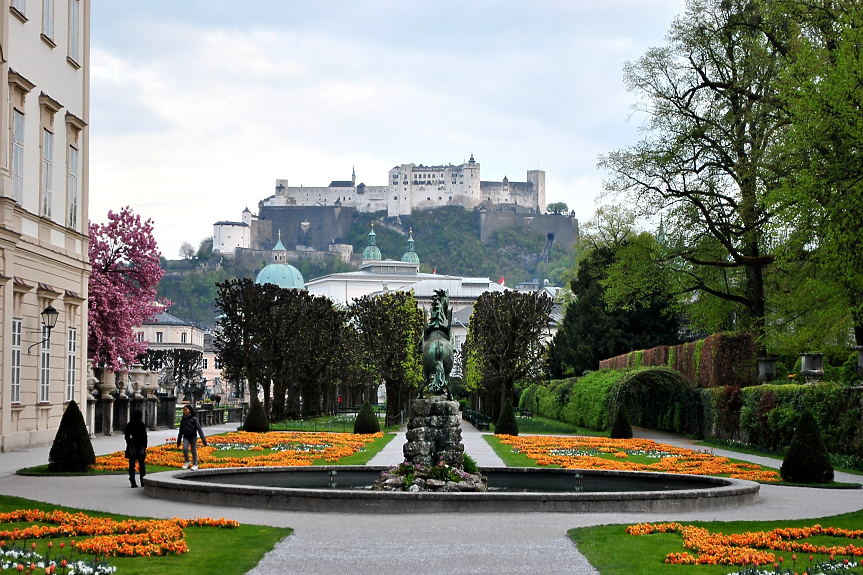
{"type": "Point", "coordinates": [189, 430]}
{"type": "Point", "coordinates": [136, 445]}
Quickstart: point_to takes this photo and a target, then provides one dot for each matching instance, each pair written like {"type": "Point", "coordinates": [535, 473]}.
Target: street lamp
{"type": "Point", "coordinates": [49, 320]}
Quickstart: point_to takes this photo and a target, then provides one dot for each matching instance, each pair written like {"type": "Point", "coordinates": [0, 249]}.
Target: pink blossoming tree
{"type": "Point", "coordinates": [122, 288]}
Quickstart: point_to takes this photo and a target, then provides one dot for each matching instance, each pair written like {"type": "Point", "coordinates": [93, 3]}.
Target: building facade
{"type": "Point", "coordinates": [165, 331]}
{"type": "Point", "coordinates": [418, 187]}
{"type": "Point", "coordinates": [44, 182]}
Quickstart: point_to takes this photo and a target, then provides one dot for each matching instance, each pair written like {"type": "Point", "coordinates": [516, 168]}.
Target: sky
{"type": "Point", "coordinates": [198, 106]}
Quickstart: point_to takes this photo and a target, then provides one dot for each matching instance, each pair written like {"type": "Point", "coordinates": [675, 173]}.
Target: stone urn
{"type": "Point", "coordinates": [812, 366]}
{"type": "Point", "coordinates": [136, 378]}
{"type": "Point", "coordinates": [150, 383]}
{"type": "Point", "coordinates": [107, 383]}
{"type": "Point", "coordinates": [766, 369]}
{"type": "Point", "coordinates": [92, 380]}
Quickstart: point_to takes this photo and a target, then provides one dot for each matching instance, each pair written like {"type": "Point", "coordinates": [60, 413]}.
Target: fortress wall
{"type": "Point", "coordinates": [325, 224]}
{"type": "Point", "coordinates": [564, 228]}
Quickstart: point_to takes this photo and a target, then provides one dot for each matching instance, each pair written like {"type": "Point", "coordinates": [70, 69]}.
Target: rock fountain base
{"type": "Point", "coordinates": [434, 433]}
{"type": "Point", "coordinates": [434, 453]}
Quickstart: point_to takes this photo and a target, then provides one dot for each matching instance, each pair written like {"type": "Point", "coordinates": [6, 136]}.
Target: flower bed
{"type": "Point", "coordinates": [102, 537]}
{"type": "Point", "coordinates": [753, 549]}
{"type": "Point", "coordinates": [605, 453]}
{"type": "Point", "coordinates": [273, 449]}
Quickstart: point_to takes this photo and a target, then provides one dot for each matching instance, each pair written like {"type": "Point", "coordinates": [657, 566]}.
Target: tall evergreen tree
{"type": "Point", "coordinates": [591, 331]}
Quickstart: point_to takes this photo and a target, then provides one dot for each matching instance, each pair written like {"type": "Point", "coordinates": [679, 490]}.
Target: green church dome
{"type": "Point", "coordinates": [372, 252]}
{"type": "Point", "coordinates": [282, 275]}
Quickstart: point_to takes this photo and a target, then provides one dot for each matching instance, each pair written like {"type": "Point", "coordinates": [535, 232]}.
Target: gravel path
{"type": "Point", "coordinates": [450, 543]}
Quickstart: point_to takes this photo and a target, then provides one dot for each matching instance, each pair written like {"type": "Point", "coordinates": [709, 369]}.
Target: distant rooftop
{"type": "Point", "coordinates": [164, 318]}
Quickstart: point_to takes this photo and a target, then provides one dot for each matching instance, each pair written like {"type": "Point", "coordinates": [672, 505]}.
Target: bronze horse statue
{"type": "Point", "coordinates": [436, 345]}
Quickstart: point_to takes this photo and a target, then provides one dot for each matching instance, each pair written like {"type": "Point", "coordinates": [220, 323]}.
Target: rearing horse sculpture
{"type": "Point", "coordinates": [436, 345]}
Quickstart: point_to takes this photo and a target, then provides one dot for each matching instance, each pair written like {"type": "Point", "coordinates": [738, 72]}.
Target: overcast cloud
{"type": "Point", "coordinates": [198, 106]}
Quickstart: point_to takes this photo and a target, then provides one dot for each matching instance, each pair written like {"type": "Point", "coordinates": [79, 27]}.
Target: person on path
{"type": "Point", "coordinates": [190, 428]}
{"type": "Point", "coordinates": [136, 445]}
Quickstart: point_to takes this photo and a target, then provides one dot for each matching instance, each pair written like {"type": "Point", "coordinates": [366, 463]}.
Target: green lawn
{"type": "Point", "coordinates": [211, 550]}
{"type": "Point", "coordinates": [612, 552]}
{"type": "Point", "coordinates": [541, 425]}
{"type": "Point", "coordinates": [364, 455]}
{"type": "Point", "coordinates": [510, 458]}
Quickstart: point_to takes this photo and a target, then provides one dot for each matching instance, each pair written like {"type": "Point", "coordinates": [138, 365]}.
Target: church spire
{"type": "Point", "coordinates": [372, 252]}
{"type": "Point", "coordinates": [354, 177]}
{"type": "Point", "coordinates": [410, 255]}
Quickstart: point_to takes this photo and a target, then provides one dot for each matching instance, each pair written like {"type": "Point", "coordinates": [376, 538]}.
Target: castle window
{"type": "Point", "coordinates": [395, 197]}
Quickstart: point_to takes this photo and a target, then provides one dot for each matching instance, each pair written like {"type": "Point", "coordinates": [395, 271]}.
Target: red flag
{"type": "Point", "coordinates": [501, 280]}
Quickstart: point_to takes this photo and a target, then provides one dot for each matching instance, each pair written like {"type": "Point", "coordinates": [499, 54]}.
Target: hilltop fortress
{"type": "Point", "coordinates": [313, 222]}
{"type": "Point", "coordinates": [418, 187]}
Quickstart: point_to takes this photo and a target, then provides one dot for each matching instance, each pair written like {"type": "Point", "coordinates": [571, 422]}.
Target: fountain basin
{"type": "Point", "coordinates": [511, 489]}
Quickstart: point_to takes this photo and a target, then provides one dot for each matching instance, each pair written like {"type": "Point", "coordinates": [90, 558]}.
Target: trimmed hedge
{"type": "Point", "coordinates": [366, 421]}
{"type": "Point", "coordinates": [762, 415]}
{"type": "Point", "coordinates": [506, 423]}
{"type": "Point", "coordinates": [256, 419]}
{"type": "Point", "coordinates": [720, 359]}
{"type": "Point", "coordinates": [72, 449]}
{"type": "Point", "coordinates": [807, 460]}
{"type": "Point", "coordinates": [621, 429]}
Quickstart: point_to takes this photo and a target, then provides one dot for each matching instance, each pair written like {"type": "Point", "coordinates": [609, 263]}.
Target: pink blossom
{"type": "Point", "coordinates": [122, 289]}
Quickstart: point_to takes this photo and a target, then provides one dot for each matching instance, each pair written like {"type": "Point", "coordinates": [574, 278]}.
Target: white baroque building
{"type": "Point", "coordinates": [417, 187]}
{"type": "Point", "coordinates": [45, 64]}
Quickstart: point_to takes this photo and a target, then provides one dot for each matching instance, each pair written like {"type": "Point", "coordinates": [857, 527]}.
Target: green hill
{"type": "Point", "coordinates": [446, 239]}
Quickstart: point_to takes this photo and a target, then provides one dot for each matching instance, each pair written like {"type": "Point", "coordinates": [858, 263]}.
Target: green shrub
{"type": "Point", "coordinates": [256, 419]}
{"type": "Point", "coordinates": [470, 465]}
{"type": "Point", "coordinates": [72, 449]}
{"type": "Point", "coordinates": [807, 460]}
{"type": "Point", "coordinates": [366, 421]}
{"type": "Point", "coordinates": [506, 424]}
{"type": "Point", "coordinates": [620, 428]}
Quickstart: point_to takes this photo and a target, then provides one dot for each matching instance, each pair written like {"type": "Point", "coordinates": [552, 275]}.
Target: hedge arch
{"type": "Point", "coordinates": [659, 398]}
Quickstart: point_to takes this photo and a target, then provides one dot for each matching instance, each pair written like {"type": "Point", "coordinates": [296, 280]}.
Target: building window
{"type": "Point", "coordinates": [217, 364]}
{"type": "Point", "coordinates": [70, 363]}
{"type": "Point", "coordinates": [47, 166]}
{"type": "Point", "coordinates": [73, 186]}
{"type": "Point", "coordinates": [74, 24]}
{"type": "Point", "coordinates": [183, 337]}
{"type": "Point", "coordinates": [206, 364]}
{"type": "Point", "coordinates": [158, 337]}
{"type": "Point", "coordinates": [44, 367]}
{"type": "Point", "coordinates": [16, 360]}
{"type": "Point", "coordinates": [140, 336]}
{"type": "Point", "coordinates": [48, 18]}
{"type": "Point", "coordinates": [17, 156]}
{"type": "Point", "coordinates": [19, 5]}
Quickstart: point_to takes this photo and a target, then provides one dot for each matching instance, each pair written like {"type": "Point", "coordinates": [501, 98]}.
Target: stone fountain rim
{"type": "Point", "coordinates": [174, 485]}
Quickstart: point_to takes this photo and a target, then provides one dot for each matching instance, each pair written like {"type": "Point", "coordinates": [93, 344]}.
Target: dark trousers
{"type": "Point", "coordinates": [142, 467]}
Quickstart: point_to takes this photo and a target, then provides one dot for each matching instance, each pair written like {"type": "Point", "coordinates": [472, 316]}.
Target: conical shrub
{"type": "Point", "coordinates": [72, 449]}
{"type": "Point", "coordinates": [807, 460]}
{"type": "Point", "coordinates": [620, 427]}
{"type": "Point", "coordinates": [367, 421]}
{"type": "Point", "coordinates": [256, 419]}
{"type": "Point", "coordinates": [506, 423]}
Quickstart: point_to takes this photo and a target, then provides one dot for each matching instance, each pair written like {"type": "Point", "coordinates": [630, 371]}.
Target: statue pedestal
{"type": "Point", "coordinates": [434, 433]}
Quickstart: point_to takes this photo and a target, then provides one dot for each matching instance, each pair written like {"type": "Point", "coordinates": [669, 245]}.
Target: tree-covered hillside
{"type": "Point", "coordinates": [448, 239]}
